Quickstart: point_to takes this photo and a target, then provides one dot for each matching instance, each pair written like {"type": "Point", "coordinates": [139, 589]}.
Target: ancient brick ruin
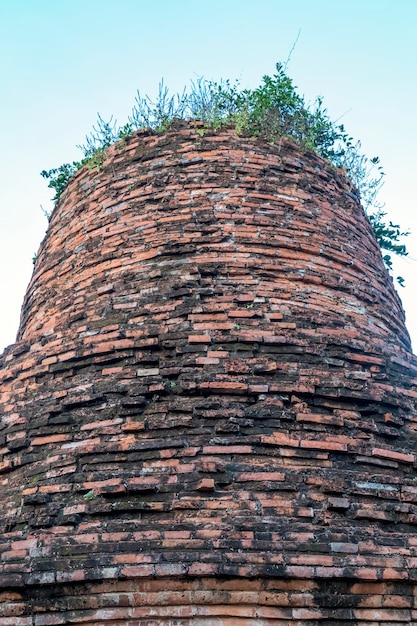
{"type": "Point", "coordinates": [209, 416]}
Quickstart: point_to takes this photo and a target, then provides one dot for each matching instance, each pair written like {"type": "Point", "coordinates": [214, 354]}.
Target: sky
{"type": "Point", "coordinates": [62, 62]}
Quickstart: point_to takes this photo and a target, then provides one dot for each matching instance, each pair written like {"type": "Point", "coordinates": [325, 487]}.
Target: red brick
{"type": "Point", "coordinates": [40, 441]}
{"type": "Point", "coordinates": [199, 339]}
{"type": "Point", "coordinates": [137, 571]}
{"type": "Point", "coordinates": [392, 454]}
{"type": "Point", "coordinates": [161, 462]}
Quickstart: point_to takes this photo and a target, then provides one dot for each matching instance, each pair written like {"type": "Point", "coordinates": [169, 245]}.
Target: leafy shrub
{"type": "Point", "coordinates": [59, 177]}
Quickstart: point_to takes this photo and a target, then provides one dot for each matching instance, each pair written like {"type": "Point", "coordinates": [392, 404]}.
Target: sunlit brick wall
{"type": "Point", "coordinates": [209, 416]}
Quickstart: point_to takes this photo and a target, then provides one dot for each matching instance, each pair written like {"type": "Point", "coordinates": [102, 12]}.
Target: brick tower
{"type": "Point", "coordinates": [209, 416]}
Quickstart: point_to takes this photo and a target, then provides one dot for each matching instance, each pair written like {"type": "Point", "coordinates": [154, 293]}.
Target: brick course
{"type": "Point", "coordinates": [209, 416]}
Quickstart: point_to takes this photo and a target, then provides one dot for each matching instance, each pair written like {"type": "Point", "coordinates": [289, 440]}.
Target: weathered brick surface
{"type": "Point", "coordinates": [209, 416]}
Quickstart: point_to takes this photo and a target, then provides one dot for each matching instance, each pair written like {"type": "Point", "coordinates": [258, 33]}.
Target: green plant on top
{"type": "Point", "coordinates": [59, 177]}
{"type": "Point", "coordinates": [103, 135]}
{"type": "Point", "coordinates": [271, 111]}
{"type": "Point", "coordinates": [158, 115]}
{"type": "Point", "coordinates": [275, 109]}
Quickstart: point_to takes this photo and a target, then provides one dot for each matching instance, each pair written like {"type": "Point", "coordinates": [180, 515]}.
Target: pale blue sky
{"type": "Point", "coordinates": [62, 62]}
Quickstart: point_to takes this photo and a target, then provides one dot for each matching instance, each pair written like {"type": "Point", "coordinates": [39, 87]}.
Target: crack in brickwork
{"type": "Point", "coordinates": [209, 416]}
